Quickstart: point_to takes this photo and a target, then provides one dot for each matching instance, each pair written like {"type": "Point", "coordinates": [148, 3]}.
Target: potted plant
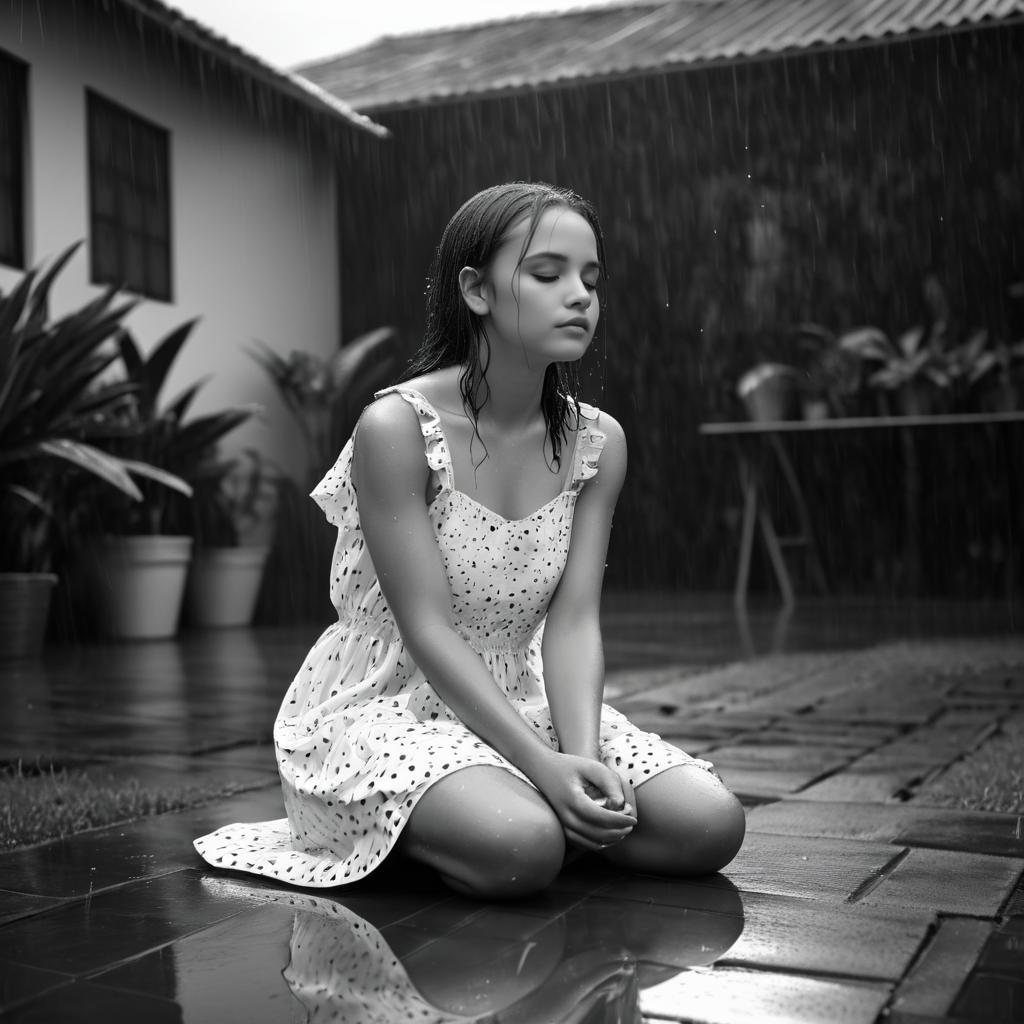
{"type": "Point", "coordinates": [53, 397]}
{"type": "Point", "coordinates": [770, 392]}
{"type": "Point", "coordinates": [324, 398]}
{"type": "Point", "coordinates": [831, 378]}
{"type": "Point", "coordinates": [140, 560]}
{"type": "Point", "coordinates": [234, 509]}
{"type": "Point", "coordinates": [983, 368]}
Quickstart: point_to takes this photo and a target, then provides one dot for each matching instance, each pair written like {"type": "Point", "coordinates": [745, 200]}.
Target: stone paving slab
{"type": "Point", "coordinates": [84, 1001]}
{"type": "Point", "coordinates": [903, 824]}
{"type": "Point", "coordinates": [123, 853]}
{"type": "Point", "coordinates": [816, 758]}
{"type": "Point", "coordinates": [831, 870]}
{"type": "Point", "coordinates": [20, 984]}
{"type": "Point", "coordinates": [243, 955]}
{"type": "Point", "coordinates": [865, 786]}
{"type": "Point", "coordinates": [937, 977]}
{"type": "Point", "coordinates": [769, 783]}
{"type": "Point", "coordinates": [726, 995]}
{"type": "Point", "coordinates": [947, 881]}
{"type": "Point", "coordinates": [115, 925]}
{"type": "Point", "coordinates": [794, 935]}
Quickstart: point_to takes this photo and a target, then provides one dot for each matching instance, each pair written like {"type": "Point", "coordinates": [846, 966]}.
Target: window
{"type": "Point", "coordinates": [129, 200]}
{"type": "Point", "coordinates": [13, 91]}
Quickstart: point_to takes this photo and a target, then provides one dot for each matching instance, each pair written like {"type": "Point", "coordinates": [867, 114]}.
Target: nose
{"type": "Point", "coordinates": [579, 294]}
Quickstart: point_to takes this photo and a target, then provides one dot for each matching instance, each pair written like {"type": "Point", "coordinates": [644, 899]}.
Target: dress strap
{"type": "Point", "coordinates": [435, 444]}
{"type": "Point", "coordinates": [589, 445]}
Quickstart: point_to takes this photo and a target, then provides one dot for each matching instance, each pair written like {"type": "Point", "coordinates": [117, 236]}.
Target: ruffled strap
{"type": "Point", "coordinates": [589, 445]}
{"type": "Point", "coordinates": [334, 493]}
{"type": "Point", "coordinates": [435, 444]}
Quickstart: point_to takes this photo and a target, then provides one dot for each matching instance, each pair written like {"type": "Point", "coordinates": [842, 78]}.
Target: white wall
{"type": "Point", "coordinates": [253, 213]}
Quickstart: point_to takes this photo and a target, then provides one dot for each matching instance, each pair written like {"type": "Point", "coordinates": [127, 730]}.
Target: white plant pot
{"type": "Point", "coordinates": [139, 583]}
{"type": "Point", "coordinates": [223, 584]}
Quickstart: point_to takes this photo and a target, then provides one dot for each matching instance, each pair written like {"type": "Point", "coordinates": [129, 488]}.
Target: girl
{"type": "Point", "coordinates": [453, 712]}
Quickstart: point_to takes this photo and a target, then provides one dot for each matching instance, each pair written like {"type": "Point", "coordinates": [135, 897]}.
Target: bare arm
{"type": "Point", "coordinates": [573, 657]}
{"type": "Point", "coordinates": [390, 475]}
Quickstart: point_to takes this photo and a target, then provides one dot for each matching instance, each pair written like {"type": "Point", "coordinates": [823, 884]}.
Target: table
{"type": "Point", "coordinates": [756, 443]}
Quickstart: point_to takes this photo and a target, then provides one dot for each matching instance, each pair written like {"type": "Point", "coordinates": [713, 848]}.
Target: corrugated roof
{"type": "Point", "coordinates": [620, 39]}
{"type": "Point", "coordinates": [296, 87]}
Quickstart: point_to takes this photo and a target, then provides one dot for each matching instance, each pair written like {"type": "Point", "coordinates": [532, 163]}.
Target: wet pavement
{"type": "Point", "coordinates": [851, 900]}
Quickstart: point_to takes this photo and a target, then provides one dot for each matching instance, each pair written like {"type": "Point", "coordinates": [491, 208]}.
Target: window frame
{"type": "Point", "coordinates": [14, 143]}
{"type": "Point", "coordinates": [130, 243]}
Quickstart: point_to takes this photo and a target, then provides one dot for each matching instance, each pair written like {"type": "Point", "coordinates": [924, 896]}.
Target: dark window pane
{"type": "Point", "coordinates": [13, 91]}
{"type": "Point", "coordinates": [135, 266]}
{"type": "Point", "coordinates": [130, 201]}
{"type": "Point", "coordinates": [106, 263]}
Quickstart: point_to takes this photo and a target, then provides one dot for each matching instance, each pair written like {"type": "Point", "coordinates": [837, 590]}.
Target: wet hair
{"type": "Point", "coordinates": [455, 335]}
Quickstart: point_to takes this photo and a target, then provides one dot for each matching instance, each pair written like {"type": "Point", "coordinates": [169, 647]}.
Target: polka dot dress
{"type": "Point", "coordinates": [361, 734]}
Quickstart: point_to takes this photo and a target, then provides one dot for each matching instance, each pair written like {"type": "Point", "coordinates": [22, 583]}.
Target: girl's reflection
{"type": "Point", "coordinates": [586, 966]}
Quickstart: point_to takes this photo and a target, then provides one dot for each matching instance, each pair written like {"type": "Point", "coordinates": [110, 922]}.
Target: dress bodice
{"type": "Point", "coordinates": [502, 572]}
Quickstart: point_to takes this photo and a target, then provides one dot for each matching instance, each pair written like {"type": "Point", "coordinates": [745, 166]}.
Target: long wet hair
{"type": "Point", "coordinates": [455, 335]}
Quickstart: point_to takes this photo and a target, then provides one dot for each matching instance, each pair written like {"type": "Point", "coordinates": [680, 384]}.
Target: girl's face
{"type": "Point", "coordinates": [546, 304]}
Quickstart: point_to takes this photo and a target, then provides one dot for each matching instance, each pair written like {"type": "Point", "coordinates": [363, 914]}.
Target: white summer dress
{"type": "Point", "coordinates": [361, 734]}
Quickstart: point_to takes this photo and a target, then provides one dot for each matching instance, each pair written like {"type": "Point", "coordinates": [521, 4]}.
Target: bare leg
{"type": "Point", "coordinates": [688, 823]}
{"type": "Point", "coordinates": [488, 833]}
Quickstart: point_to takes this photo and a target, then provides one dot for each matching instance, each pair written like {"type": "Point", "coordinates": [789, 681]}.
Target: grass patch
{"type": "Point", "coordinates": [41, 803]}
{"type": "Point", "coordinates": [990, 778]}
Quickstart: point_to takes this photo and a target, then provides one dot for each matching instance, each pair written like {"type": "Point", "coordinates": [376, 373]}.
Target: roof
{"type": "Point", "coordinates": [622, 39]}
{"type": "Point", "coordinates": [323, 105]}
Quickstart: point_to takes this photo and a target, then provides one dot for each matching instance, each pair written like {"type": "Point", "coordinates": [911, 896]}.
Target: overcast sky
{"type": "Point", "coordinates": [290, 32]}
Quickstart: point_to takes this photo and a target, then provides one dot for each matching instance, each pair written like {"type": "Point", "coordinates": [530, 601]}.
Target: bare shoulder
{"type": "Point", "coordinates": [388, 442]}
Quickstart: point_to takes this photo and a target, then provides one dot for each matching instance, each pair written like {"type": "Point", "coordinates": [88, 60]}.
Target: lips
{"type": "Point", "coordinates": [579, 321]}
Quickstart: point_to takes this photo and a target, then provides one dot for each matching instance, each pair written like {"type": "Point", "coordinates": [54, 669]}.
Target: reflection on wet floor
{"type": "Point", "coordinates": [589, 963]}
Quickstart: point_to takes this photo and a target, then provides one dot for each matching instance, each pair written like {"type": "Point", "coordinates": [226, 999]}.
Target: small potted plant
{"type": "Point", "coordinates": [234, 510]}
{"type": "Point", "coordinates": [54, 394]}
{"type": "Point", "coordinates": [770, 392]}
{"type": "Point", "coordinates": [831, 377]}
{"type": "Point", "coordinates": [141, 558]}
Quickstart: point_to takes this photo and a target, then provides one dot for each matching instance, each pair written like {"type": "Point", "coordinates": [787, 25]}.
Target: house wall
{"type": "Point", "coordinates": [738, 202]}
{"type": "Point", "coordinates": [254, 218]}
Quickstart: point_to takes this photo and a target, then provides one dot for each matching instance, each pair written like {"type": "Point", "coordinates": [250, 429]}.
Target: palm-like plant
{"type": "Point", "coordinates": [53, 404]}
{"type": "Point", "coordinates": [147, 431]}
{"type": "Point", "coordinates": [323, 395]}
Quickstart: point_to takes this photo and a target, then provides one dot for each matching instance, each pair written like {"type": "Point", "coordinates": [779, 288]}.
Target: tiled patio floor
{"type": "Point", "coordinates": [851, 900]}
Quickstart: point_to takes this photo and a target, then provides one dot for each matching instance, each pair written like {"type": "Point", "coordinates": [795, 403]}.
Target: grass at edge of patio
{"type": "Point", "coordinates": [58, 802]}
{"type": "Point", "coordinates": [990, 778]}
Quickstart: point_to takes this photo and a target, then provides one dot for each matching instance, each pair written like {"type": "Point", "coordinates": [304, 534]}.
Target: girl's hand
{"type": "Point", "coordinates": [627, 790]}
{"type": "Point", "coordinates": [588, 799]}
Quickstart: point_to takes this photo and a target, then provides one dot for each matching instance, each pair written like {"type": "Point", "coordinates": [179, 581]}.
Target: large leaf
{"type": "Point", "coordinates": [909, 342]}
{"type": "Point", "coordinates": [93, 461]}
{"type": "Point", "coordinates": [158, 475]}
{"type": "Point", "coordinates": [162, 358]}
{"type": "Point", "coordinates": [868, 343]}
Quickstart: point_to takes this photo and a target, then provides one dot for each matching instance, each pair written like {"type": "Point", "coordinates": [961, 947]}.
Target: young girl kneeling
{"type": "Point", "coordinates": [453, 712]}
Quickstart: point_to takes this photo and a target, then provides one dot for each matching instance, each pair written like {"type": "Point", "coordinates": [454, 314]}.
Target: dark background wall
{"type": "Point", "coordinates": [737, 202]}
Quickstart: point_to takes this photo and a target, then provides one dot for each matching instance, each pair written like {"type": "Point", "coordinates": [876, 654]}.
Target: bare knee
{"type": "Point", "coordinates": [690, 824]}
{"type": "Point", "coordinates": [725, 825]}
{"type": "Point", "coordinates": [522, 858]}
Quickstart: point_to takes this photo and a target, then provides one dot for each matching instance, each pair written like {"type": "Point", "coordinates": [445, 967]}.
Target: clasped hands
{"type": "Point", "coordinates": [594, 802]}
